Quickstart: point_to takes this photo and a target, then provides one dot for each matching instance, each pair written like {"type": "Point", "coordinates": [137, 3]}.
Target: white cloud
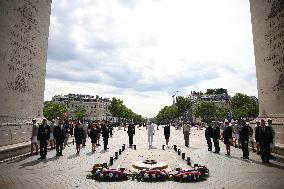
{"type": "Point", "coordinates": [144, 50]}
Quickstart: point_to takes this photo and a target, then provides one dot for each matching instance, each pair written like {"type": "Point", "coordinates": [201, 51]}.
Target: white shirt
{"type": "Point", "coordinates": [151, 128]}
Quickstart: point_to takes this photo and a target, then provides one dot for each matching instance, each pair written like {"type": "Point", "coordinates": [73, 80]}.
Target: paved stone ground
{"type": "Point", "coordinates": [70, 170]}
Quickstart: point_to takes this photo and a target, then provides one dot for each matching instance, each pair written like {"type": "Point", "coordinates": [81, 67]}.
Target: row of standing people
{"type": "Point", "coordinates": [263, 137]}
{"type": "Point", "coordinates": [57, 133]}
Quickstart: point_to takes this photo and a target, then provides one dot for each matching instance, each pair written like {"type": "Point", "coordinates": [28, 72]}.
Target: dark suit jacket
{"type": "Point", "coordinates": [43, 133]}
{"type": "Point", "coordinates": [265, 136]}
{"type": "Point", "coordinates": [131, 130]}
{"type": "Point", "coordinates": [167, 130]}
{"type": "Point", "coordinates": [209, 132]}
{"type": "Point", "coordinates": [60, 133]}
{"type": "Point", "coordinates": [244, 133]}
{"type": "Point", "coordinates": [216, 133]}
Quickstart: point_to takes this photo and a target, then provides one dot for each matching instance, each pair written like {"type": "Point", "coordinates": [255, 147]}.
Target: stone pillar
{"type": "Point", "coordinates": [24, 27]}
{"type": "Point", "coordinates": [268, 37]}
{"type": "Point", "coordinates": [267, 17]}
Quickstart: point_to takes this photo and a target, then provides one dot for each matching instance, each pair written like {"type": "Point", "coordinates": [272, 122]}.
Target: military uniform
{"type": "Point", "coordinates": [59, 135]}
{"type": "Point", "coordinates": [216, 138]}
{"type": "Point", "coordinates": [244, 139]}
{"type": "Point", "coordinates": [265, 138]}
{"type": "Point", "coordinates": [131, 133]}
{"type": "Point", "coordinates": [105, 135]}
{"type": "Point", "coordinates": [43, 136]}
{"type": "Point", "coordinates": [208, 136]}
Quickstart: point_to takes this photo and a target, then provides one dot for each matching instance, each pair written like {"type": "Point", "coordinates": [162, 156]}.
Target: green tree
{"type": "Point", "coordinates": [206, 110]}
{"type": "Point", "coordinates": [183, 105]}
{"type": "Point", "coordinates": [221, 113]}
{"type": "Point", "coordinates": [116, 107]}
{"type": "Point", "coordinates": [244, 106]}
{"type": "Point", "coordinates": [52, 110]}
{"type": "Point", "coordinates": [80, 113]}
{"type": "Point", "coordinates": [167, 114]}
{"type": "Point", "coordinates": [119, 110]}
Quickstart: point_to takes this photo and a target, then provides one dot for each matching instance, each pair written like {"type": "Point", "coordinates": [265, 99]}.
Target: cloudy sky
{"type": "Point", "coordinates": [142, 51]}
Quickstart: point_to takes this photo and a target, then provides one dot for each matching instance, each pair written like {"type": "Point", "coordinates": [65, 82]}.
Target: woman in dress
{"type": "Point", "coordinates": [78, 134]}
{"type": "Point", "coordinates": [227, 135]}
{"type": "Point", "coordinates": [94, 137]}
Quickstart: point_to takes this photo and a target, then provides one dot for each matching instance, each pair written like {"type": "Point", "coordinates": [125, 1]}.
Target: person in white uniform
{"type": "Point", "coordinates": [151, 130]}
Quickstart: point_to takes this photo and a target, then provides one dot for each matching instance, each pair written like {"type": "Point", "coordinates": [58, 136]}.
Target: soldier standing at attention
{"type": "Point", "coordinates": [151, 130]}
{"type": "Point", "coordinates": [43, 137]}
{"type": "Point", "coordinates": [105, 135]}
{"type": "Point", "coordinates": [59, 135]}
{"type": "Point", "coordinates": [208, 136]}
{"type": "Point", "coordinates": [167, 133]}
{"type": "Point", "coordinates": [216, 137]}
{"type": "Point", "coordinates": [265, 136]}
{"type": "Point", "coordinates": [244, 138]}
{"type": "Point", "coordinates": [186, 133]}
{"type": "Point", "coordinates": [131, 133]}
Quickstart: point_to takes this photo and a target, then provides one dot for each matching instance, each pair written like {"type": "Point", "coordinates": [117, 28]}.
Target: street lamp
{"type": "Point", "coordinates": [174, 97]}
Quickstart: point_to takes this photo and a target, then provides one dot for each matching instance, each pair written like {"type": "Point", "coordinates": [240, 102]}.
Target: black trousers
{"type": "Point", "coordinates": [59, 147]}
{"type": "Point", "coordinates": [130, 140]}
{"type": "Point", "coordinates": [216, 145]}
{"type": "Point", "coordinates": [43, 148]}
{"type": "Point", "coordinates": [265, 151]}
{"type": "Point", "coordinates": [209, 144]}
{"type": "Point", "coordinates": [245, 149]}
{"type": "Point", "coordinates": [105, 143]}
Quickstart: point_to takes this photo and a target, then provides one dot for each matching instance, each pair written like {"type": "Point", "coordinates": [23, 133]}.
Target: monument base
{"type": "Point", "coordinates": [14, 130]}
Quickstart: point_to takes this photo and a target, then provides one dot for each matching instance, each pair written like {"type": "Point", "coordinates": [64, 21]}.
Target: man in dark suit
{"type": "Point", "coordinates": [216, 137]}
{"type": "Point", "coordinates": [105, 135]}
{"type": "Point", "coordinates": [131, 133]}
{"type": "Point", "coordinates": [265, 137]}
{"type": "Point", "coordinates": [244, 138]}
{"type": "Point", "coordinates": [208, 136]}
{"type": "Point", "coordinates": [59, 135]}
{"type": "Point", "coordinates": [167, 133]}
{"type": "Point", "coordinates": [43, 136]}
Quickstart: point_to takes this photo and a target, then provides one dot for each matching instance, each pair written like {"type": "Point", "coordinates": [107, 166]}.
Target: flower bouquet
{"type": "Point", "coordinates": [186, 175]}
{"type": "Point", "coordinates": [204, 171]}
{"type": "Point", "coordinates": [101, 172]}
{"type": "Point", "coordinates": [152, 175]}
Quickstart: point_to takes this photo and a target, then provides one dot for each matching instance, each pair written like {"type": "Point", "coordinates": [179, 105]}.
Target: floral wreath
{"type": "Point", "coordinates": [152, 175]}
{"type": "Point", "coordinates": [204, 171]}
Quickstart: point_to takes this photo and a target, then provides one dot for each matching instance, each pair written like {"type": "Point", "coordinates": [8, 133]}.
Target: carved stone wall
{"type": "Point", "coordinates": [267, 17]}
{"type": "Point", "coordinates": [24, 27]}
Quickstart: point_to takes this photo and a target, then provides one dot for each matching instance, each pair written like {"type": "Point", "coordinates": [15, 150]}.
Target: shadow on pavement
{"type": "Point", "coordinates": [72, 156]}
{"type": "Point", "coordinates": [90, 153]}
{"type": "Point", "coordinates": [51, 159]}
{"type": "Point", "coordinates": [31, 163]}
{"type": "Point", "coordinates": [272, 165]}
{"type": "Point", "coordinates": [268, 164]}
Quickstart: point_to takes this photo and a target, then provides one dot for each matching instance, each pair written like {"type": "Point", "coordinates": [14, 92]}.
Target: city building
{"type": "Point", "coordinates": [212, 95]}
{"type": "Point", "coordinates": [96, 107]}
{"type": "Point", "coordinates": [218, 96]}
